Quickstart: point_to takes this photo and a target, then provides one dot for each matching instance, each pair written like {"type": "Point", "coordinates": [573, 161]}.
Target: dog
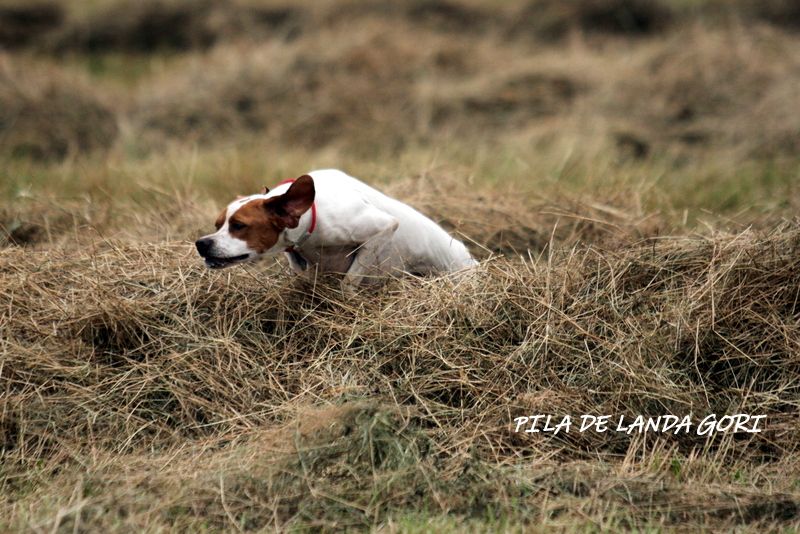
{"type": "Point", "coordinates": [328, 221]}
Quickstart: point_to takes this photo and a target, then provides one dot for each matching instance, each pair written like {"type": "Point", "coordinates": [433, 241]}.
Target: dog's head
{"type": "Point", "coordinates": [254, 226]}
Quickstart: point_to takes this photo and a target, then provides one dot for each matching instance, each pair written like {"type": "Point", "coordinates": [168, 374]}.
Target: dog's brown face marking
{"type": "Point", "coordinates": [256, 225]}
{"type": "Point", "coordinates": [252, 226]}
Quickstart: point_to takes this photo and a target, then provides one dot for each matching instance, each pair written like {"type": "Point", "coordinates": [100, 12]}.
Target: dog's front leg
{"type": "Point", "coordinates": [376, 255]}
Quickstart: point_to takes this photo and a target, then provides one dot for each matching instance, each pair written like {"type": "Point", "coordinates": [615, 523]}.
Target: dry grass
{"type": "Point", "coordinates": [285, 399]}
{"type": "Point", "coordinates": [738, 105]}
{"type": "Point", "coordinates": [386, 76]}
{"type": "Point", "coordinates": [50, 115]}
{"type": "Point", "coordinates": [193, 398]}
{"type": "Point", "coordinates": [627, 172]}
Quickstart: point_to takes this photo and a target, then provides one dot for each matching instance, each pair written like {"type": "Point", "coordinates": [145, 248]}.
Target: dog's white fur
{"type": "Point", "coordinates": [359, 230]}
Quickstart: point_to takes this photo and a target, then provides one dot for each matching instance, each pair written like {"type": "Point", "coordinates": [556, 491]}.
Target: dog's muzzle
{"type": "Point", "coordinates": [205, 247]}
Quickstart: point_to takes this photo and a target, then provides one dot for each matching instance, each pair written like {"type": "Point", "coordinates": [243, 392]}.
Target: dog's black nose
{"type": "Point", "coordinates": [204, 246]}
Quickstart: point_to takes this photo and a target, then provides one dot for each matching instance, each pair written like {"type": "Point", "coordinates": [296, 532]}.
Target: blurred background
{"type": "Point", "coordinates": [683, 107]}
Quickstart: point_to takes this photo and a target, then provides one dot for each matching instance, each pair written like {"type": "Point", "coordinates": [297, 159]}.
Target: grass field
{"type": "Point", "coordinates": [626, 170]}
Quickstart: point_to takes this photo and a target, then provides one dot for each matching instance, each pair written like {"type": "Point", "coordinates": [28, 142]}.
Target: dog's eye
{"type": "Point", "coordinates": [236, 226]}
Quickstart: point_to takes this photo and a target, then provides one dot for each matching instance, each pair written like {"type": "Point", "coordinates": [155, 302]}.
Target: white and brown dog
{"type": "Point", "coordinates": [327, 221]}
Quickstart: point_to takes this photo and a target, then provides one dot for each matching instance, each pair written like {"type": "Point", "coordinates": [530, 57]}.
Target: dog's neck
{"type": "Point", "coordinates": [295, 237]}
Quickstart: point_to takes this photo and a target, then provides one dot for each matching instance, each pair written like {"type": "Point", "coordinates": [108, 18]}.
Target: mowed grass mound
{"type": "Point", "coordinates": [47, 114]}
{"type": "Point", "coordinates": [634, 79]}
{"type": "Point", "coordinates": [143, 391]}
{"type": "Point", "coordinates": [380, 88]}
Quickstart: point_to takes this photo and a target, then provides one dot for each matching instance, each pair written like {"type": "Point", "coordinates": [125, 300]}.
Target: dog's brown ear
{"type": "Point", "coordinates": [291, 205]}
{"type": "Point", "coordinates": [298, 199]}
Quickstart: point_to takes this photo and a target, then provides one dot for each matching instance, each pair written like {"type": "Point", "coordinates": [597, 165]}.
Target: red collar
{"type": "Point", "coordinates": [313, 213]}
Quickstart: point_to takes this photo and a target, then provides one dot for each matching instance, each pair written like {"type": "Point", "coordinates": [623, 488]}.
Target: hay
{"type": "Point", "coordinates": [47, 115]}
{"type": "Point", "coordinates": [358, 94]}
{"type": "Point", "coordinates": [379, 91]}
{"type": "Point", "coordinates": [715, 89]}
{"type": "Point", "coordinates": [398, 76]}
{"type": "Point", "coordinates": [496, 221]}
{"type": "Point", "coordinates": [138, 348]}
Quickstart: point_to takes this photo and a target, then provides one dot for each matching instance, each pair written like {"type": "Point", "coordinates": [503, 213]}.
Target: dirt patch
{"type": "Point", "coordinates": [22, 24]}
{"type": "Point", "coordinates": [134, 26]}
{"type": "Point", "coordinates": [783, 13]}
{"type": "Point", "coordinates": [46, 115]}
{"type": "Point", "coordinates": [549, 19]}
{"type": "Point", "coordinates": [448, 16]}
{"type": "Point", "coordinates": [511, 102]}
{"type": "Point", "coordinates": [14, 231]}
